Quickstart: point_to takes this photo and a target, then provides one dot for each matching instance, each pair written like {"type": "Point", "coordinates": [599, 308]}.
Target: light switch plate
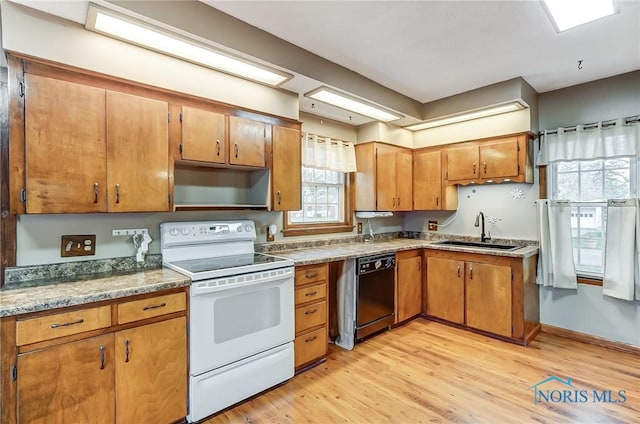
{"type": "Point", "coordinates": [129, 232]}
{"type": "Point", "coordinates": [433, 225]}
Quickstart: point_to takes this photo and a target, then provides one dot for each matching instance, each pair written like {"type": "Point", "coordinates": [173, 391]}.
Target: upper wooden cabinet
{"type": "Point", "coordinates": [246, 142]}
{"type": "Point", "coordinates": [92, 150]}
{"type": "Point", "coordinates": [429, 192]}
{"type": "Point", "coordinates": [504, 159]}
{"type": "Point", "coordinates": [204, 136]}
{"type": "Point", "coordinates": [286, 169]}
{"type": "Point", "coordinates": [384, 177]}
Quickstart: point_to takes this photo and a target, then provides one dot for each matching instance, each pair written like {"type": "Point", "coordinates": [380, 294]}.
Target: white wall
{"type": "Point", "coordinates": [586, 310]}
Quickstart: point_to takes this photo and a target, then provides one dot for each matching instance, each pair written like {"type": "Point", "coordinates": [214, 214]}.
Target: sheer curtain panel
{"type": "Point", "coordinates": [324, 153]}
{"type": "Point", "coordinates": [621, 250]}
{"type": "Point", "coordinates": [555, 263]}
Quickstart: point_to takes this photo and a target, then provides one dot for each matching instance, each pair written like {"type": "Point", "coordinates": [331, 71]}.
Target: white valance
{"type": "Point", "coordinates": [606, 139]}
{"type": "Point", "coordinates": [324, 153]}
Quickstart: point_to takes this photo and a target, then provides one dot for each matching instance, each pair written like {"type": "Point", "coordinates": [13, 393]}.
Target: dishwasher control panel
{"type": "Point", "coordinates": [369, 264]}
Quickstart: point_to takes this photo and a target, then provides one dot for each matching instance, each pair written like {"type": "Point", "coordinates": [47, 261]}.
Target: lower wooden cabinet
{"type": "Point", "coordinates": [311, 314]}
{"type": "Point", "coordinates": [408, 285]}
{"type": "Point", "coordinates": [494, 294]}
{"type": "Point", "coordinates": [102, 373]}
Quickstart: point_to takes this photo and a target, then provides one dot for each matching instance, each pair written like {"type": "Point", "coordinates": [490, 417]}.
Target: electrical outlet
{"type": "Point", "coordinates": [270, 236]}
{"type": "Point", "coordinates": [433, 225]}
{"type": "Point", "coordinates": [78, 245]}
{"type": "Point", "coordinates": [130, 232]}
{"type": "Point", "coordinates": [359, 227]}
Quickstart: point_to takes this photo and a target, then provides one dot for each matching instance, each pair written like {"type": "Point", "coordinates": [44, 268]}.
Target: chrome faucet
{"type": "Point", "coordinates": [483, 237]}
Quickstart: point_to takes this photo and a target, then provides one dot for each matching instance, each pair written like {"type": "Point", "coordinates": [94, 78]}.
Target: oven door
{"type": "Point", "coordinates": [230, 324]}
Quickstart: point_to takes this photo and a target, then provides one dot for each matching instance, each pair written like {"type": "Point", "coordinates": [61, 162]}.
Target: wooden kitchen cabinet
{"type": "Point", "coordinates": [496, 295]}
{"type": "Point", "coordinates": [445, 289]}
{"type": "Point", "coordinates": [286, 169]}
{"type": "Point", "coordinates": [501, 159]}
{"type": "Point", "coordinates": [69, 383]}
{"type": "Point", "coordinates": [65, 158]}
{"type": "Point", "coordinates": [127, 370]}
{"type": "Point", "coordinates": [246, 142]}
{"type": "Point", "coordinates": [408, 285]}
{"type": "Point", "coordinates": [203, 136]}
{"type": "Point", "coordinates": [429, 192]}
{"type": "Point", "coordinates": [311, 315]}
{"type": "Point", "coordinates": [114, 159]}
{"type": "Point", "coordinates": [384, 179]}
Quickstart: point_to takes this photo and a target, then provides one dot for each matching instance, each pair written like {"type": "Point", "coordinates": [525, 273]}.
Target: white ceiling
{"type": "Point", "coordinates": [428, 50]}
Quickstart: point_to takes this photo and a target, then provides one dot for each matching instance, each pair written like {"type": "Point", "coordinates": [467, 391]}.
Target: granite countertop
{"type": "Point", "coordinates": [59, 293]}
{"type": "Point", "coordinates": [313, 255]}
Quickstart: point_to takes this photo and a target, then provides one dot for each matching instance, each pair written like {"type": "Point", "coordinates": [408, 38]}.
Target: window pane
{"type": "Point", "coordinates": [617, 184]}
{"type": "Point", "coordinates": [318, 175]}
{"type": "Point", "coordinates": [567, 186]}
{"type": "Point", "coordinates": [333, 213]}
{"type": "Point", "coordinates": [295, 216]}
{"type": "Point", "coordinates": [588, 230]}
{"type": "Point", "coordinates": [308, 194]}
{"type": "Point", "coordinates": [307, 174]}
{"type": "Point", "coordinates": [591, 185]}
{"type": "Point", "coordinates": [333, 195]}
{"type": "Point", "coordinates": [617, 163]}
{"type": "Point", "coordinates": [590, 164]}
{"type": "Point", "coordinates": [568, 166]}
{"type": "Point", "coordinates": [321, 195]}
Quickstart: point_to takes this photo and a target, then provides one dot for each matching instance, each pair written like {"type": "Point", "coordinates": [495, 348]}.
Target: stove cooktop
{"type": "Point", "coordinates": [221, 266]}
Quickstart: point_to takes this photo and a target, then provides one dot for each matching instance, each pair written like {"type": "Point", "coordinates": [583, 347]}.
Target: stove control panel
{"type": "Point", "coordinates": [198, 232]}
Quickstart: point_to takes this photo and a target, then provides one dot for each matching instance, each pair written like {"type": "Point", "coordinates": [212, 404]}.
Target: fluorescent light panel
{"type": "Point", "coordinates": [351, 104]}
{"type": "Point", "coordinates": [482, 113]}
{"type": "Point", "coordinates": [105, 22]}
{"type": "Point", "coordinates": [567, 14]}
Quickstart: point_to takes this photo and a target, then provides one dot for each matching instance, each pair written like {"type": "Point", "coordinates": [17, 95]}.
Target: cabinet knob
{"type": "Point", "coordinates": [236, 148]}
{"type": "Point", "coordinates": [218, 148]}
{"type": "Point", "coordinates": [102, 357]}
{"type": "Point", "coordinates": [484, 167]}
{"type": "Point", "coordinates": [471, 273]}
{"type": "Point", "coordinates": [437, 201]}
{"type": "Point", "coordinates": [95, 192]}
{"type": "Point", "coordinates": [126, 350]}
{"type": "Point", "coordinates": [458, 271]}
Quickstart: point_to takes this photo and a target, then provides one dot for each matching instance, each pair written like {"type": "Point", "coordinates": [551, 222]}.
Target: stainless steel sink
{"type": "Point", "coordinates": [478, 244]}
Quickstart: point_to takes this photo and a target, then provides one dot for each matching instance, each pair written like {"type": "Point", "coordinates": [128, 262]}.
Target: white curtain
{"type": "Point", "coordinates": [621, 250]}
{"type": "Point", "coordinates": [607, 139]}
{"type": "Point", "coordinates": [324, 153]}
{"type": "Point", "coordinates": [555, 262]}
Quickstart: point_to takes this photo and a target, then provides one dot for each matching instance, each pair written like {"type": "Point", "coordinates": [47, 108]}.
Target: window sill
{"type": "Point", "coordinates": [317, 229]}
{"type": "Point", "coordinates": [592, 281]}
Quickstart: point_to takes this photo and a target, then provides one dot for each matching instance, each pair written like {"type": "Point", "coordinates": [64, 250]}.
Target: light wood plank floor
{"type": "Point", "coordinates": [427, 372]}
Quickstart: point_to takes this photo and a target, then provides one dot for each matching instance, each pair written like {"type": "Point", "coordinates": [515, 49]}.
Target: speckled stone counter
{"type": "Point", "coordinates": [38, 296]}
{"type": "Point", "coordinates": [306, 256]}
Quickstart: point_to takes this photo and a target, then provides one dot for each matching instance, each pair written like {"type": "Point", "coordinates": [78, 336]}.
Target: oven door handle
{"type": "Point", "coordinates": [202, 288]}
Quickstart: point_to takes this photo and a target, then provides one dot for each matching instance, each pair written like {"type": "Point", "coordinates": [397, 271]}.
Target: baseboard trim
{"type": "Point", "coordinates": [588, 338]}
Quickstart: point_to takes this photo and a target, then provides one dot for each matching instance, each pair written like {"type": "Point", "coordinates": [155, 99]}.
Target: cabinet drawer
{"type": "Point", "coordinates": [311, 293]}
{"type": "Point", "coordinates": [311, 274]}
{"type": "Point", "coordinates": [310, 346]}
{"type": "Point", "coordinates": [311, 316]}
{"type": "Point", "coordinates": [64, 324]}
{"type": "Point", "coordinates": [151, 307]}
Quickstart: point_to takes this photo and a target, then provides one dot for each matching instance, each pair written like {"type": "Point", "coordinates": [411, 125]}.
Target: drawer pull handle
{"type": "Point", "coordinates": [471, 273]}
{"type": "Point", "coordinates": [312, 311]}
{"type": "Point", "coordinates": [102, 357]}
{"type": "Point", "coordinates": [236, 149]}
{"type": "Point", "coordinates": [117, 193]}
{"type": "Point", "coordinates": [161, 305]}
{"type": "Point", "coordinates": [310, 339]}
{"type": "Point", "coordinates": [126, 350]}
{"type": "Point", "coordinates": [485, 167]}
{"type": "Point", "coordinates": [458, 271]}
{"type": "Point", "coordinates": [312, 275]}
{"type": "Point", "coordinates": [313, 293]}
{"type": "Point", "coordinates": [67, 324]}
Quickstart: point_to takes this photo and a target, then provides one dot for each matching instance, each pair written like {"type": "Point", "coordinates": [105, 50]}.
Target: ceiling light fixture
{"type": "Point", "coordinates": [352, 104]}
{"type": "Point", "coordinates": [127, 29]}
{"type": "Point", "coordinates": [567, 14]}
{"type": "Point", "coordinates": [467, 116]}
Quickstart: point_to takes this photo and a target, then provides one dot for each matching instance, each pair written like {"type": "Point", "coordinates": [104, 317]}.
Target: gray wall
{"type": "Point", "coordinates": [586, 310]}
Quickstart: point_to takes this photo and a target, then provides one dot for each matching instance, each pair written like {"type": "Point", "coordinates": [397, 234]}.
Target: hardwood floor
{"type": "Point", "coordinates": [428, 372]}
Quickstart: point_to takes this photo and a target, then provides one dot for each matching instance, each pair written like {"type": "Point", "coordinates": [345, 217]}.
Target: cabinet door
{"type": "Point", "coordinates": [445, 289]}
{"type": "Point", "coordinates": [427, 180]}
{"type": "Point", "coordinates": [151, 373]}
{"type": "Point", "coordinates": [65, 156]}
{"type": "Point", "coordinates": [385, 178]}
{"type": "Point", "coordinates": [69, 383]}
{"type": "Point", "coordinates": [488, 298]}
{"type": "Point", "coordinates": [246, 142]}
{"type": "Point", "coordinates": [404, 180]}
{"type": "Point", "coordinates": [203, 135]}
{"type": "Point", "coordinates": [137, 153]}
{"type": "Point", "coordinates": [462, 163]}
{"type": "Point", "coordinates": [286, 169]}
{"type": "Point", "coordinates": [500, 158]}
{"type": "Point", "coordinates": [409, 295]}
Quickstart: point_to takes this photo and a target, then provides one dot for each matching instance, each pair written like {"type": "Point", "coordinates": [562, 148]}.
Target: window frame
{"type": "Point", "coordinates": [344, 226]}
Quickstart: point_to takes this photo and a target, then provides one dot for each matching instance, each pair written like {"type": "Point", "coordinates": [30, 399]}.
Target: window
{"type": "Point", "coordinates": [325, 204]}
{"type": "Point", "coordinates": [588, 184]}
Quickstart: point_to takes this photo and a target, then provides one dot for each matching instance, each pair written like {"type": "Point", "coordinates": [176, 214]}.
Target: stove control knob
{"type": "Point", "coordinates": [174, 232]}
{"type": "Point", "coordinates": [248, 227]}
{"type": "Point", "coordinates": [185, 231]}
{"type": "Point", "coordinates": [239, 228]}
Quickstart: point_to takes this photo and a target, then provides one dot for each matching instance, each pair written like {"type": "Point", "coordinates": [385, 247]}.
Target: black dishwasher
{"type": "Point", "coordinates": [375, 292]}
